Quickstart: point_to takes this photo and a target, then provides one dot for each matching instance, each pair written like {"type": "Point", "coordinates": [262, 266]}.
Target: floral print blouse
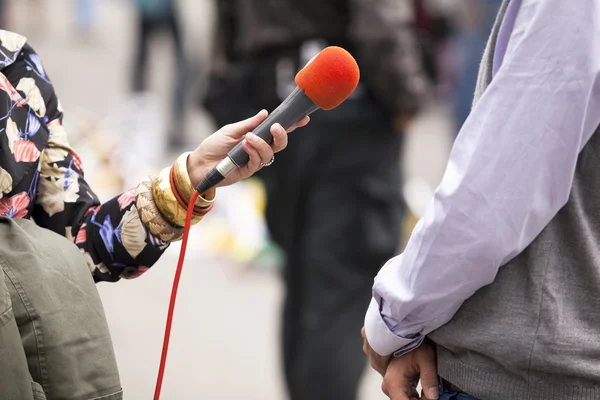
{"type": "Point", "coordinates": [42, 178]}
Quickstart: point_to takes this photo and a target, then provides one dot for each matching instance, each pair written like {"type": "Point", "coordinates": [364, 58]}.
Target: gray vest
{"type": "Point", "coordinates": [534, 333]}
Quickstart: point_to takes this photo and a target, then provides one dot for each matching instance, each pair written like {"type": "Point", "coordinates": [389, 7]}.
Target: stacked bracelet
{"type": "Point", "coordinates": [152, 218]}
{"type": "Point", "coordinates": [163, 201]}
{"type": "Point", "coordinates": [172, 190]}
{"type": "Point", "coordinates": [166, 200]}
{"type": "Point", "coordinates": [201, 207]}
{"type": "Point", "coordinates": [184, 184]}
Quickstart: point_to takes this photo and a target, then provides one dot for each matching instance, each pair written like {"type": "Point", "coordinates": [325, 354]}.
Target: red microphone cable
{"type": "Point", "coordinates": [165, 347]}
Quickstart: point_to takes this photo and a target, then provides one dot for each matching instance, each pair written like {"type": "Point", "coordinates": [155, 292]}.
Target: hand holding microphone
{"type": "Point", "coordinates": [214, 148]}
{"type": "Point", "coordinates": [225, 158]}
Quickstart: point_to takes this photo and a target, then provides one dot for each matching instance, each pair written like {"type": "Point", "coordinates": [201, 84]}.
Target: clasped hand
{"type": "Point", "coordinates": [401, 374]}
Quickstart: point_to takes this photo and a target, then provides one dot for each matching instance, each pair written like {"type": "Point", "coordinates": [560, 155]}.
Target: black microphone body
{"type": "Point", "coordinates": [295, 107]}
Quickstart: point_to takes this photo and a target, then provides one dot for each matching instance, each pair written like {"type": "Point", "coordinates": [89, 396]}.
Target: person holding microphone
{"type": "Point", "coordinates": [57, 239]}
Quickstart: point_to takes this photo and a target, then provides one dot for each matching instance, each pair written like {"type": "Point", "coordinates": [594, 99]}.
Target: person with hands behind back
{"type": "Point", "coordinates": [501, 275]}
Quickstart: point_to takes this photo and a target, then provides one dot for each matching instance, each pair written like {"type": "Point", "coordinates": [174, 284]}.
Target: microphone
{"type": "Point", "coordinates": [324, 83]}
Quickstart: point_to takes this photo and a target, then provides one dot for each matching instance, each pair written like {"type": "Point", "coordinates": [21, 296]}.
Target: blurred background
{"type": "Point", "coordinates": [128, 124]}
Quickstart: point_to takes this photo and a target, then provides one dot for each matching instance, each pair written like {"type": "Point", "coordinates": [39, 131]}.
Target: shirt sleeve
{"type": "Point", "coordinates": [388, 54]}
{"type": "Point", "coordinates": [111, 236]}
{"type": "Point", "coordinates": [510, 172]}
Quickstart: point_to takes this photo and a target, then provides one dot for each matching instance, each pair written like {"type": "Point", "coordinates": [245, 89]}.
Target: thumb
{"type": "Point", "coordinates": [239, 129]}
{"type": "Point", "coordinates": [428, 373]}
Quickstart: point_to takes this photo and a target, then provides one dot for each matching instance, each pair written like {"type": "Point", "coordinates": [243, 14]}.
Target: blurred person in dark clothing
{"type": "Point", "coordinates": [333, 198]}
{"type": "Point", "coordinates": [433, 29]}
{"type": "Point", "coordinates": [155, 16]}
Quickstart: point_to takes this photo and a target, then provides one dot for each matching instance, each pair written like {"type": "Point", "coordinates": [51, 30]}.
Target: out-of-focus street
{"type": "Point", "coordinates": [225, 340]}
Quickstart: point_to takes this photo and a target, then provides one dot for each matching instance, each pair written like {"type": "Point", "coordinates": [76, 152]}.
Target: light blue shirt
{"type": "Point", "coordinates": [510, 171]}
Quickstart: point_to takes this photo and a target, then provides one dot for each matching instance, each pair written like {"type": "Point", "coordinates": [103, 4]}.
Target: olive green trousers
{"type": "Point", "coordinates": [54, 339]}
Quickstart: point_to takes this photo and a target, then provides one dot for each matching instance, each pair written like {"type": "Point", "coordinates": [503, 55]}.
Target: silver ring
{"type": "Point", "coordinates": [271, 161]}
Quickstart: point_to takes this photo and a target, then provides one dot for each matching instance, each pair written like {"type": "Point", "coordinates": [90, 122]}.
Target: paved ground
{"type": "Point", "coordinates": [225, 341]}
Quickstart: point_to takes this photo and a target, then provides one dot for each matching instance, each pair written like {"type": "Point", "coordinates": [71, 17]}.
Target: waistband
{"type": "Point", "coordinates": [498, 386]}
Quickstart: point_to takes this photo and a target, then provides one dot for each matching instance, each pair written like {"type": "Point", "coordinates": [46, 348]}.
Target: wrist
{"type": "Point", "coordinates": [168, 203]}
{"type": "Point", "coordinates": [196, 168]}
{"type": "Point", "coordinates": [381, 339]}
{"type": "Point", "coordinates": [183, 190]}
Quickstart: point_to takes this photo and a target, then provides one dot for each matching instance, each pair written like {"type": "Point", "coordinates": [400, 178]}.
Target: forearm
{"type": "Point", "coordinates": [138, 225]}
{"type": "Point", "coordinates": [125, 236]}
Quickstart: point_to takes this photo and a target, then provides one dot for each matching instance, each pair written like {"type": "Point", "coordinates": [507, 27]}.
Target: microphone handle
{"type": "Point", "coordinates": [293, 109]}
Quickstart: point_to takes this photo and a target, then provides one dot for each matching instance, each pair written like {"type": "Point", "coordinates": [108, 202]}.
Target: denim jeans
{"type": "Point", "coordinates": [446, 394]}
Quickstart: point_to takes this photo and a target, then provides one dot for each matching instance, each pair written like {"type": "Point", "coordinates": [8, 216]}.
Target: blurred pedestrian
{"type": "Point", "coordinates": [334, 201]}
{"type": "Point", "coordinates": [475, 19]}
{"type": "Point", "coordinates": [86, 15]}
{"type": "Point", "coordinates": [155, 16]}
{"type": "Point", "coordinates": [433, 29]}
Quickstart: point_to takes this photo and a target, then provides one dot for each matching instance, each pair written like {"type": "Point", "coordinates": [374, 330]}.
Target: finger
{"type": "Point", "coordinates": [303, 122]}
{"type": "Point", "coordinates": [379, 368]}
{"type": "Point", "coordinates": [239, 129]}
{"type": "Point", "coordinates": [280, 139]}
{"type": "Point", "coordinates": [254, 162]}
{"type": "Point", "coordinates": [264, 150]}
{"type": "Point", "coordinates": [429, 383]}
{"type": "Point", "coordinates": [414, 393]}
{"type": "Point", "coordinates": [395, 392]}
{"type": "Point", "coordinates": [382, 363]}
{"type": "Point", "coordinates": [428, 372]}
{"type": "Point", "coordinates": [399, 379]}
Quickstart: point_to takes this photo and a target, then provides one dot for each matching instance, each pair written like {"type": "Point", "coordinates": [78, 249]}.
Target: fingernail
{"type": "Point", "coordinates": [433, 393]}
{"type": "Point", "coordinates": [252, 137]}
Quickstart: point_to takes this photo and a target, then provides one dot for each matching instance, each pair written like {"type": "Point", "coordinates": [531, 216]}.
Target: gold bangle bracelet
{"type": "Point", "coordinates": [151, 218]}
{"type": "Point", "coordinates": [166, 202]}
{"type": "Point", "coordinates": [184, 184]}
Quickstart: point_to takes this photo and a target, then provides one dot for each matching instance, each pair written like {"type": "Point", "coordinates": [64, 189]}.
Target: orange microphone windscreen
{"type": "Point", "coordinates": [330, 78]}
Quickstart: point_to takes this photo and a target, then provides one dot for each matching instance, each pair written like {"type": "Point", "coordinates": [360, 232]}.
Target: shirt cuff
{"type": "Point", "coordinates": [384, 341]}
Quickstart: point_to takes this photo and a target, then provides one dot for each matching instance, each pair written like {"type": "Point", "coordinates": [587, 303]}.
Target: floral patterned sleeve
{"type": "Point", "coordinates": [111, 235]}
